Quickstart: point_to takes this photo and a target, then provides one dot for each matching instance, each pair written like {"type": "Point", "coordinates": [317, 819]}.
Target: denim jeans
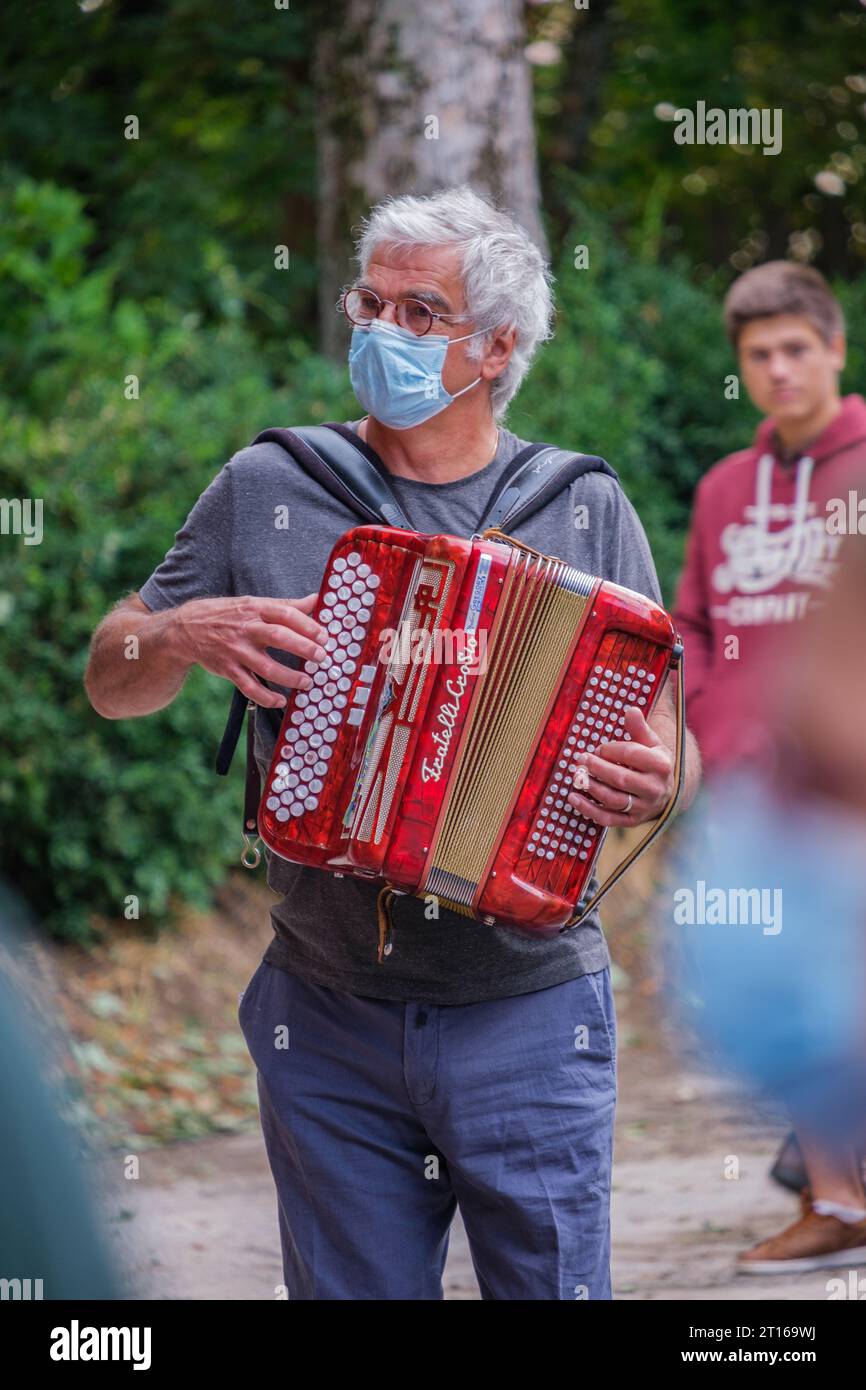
{"type": "Point", "coordinates": [379, 1117]}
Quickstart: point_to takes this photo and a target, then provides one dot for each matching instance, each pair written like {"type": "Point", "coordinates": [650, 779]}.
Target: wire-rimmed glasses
{"type": "Point", "coordinates": [362, 306]}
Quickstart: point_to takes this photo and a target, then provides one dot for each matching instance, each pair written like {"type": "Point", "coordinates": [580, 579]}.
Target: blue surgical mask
{"type": "Point", "coordinates": [397, 375]}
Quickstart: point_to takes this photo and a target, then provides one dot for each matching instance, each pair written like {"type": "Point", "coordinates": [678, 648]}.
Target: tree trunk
{"type": "Point", "coordinates": [415, 96]}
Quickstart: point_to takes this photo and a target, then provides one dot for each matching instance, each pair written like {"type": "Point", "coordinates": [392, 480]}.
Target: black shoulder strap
{"type": "Point", "coordinates": [345, 466]}
{"type": "Point", "coordinates": [532, 478]}
{"type": "Point", "coordinates": [350, 470]}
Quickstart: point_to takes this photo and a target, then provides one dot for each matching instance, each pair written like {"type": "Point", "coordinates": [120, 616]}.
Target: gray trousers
{"type": "Point", "coordinates": [379, 1117]}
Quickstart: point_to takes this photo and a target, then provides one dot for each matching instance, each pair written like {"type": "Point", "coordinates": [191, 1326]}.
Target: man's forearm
{"type": "Point", "coordinates": [135, 666]}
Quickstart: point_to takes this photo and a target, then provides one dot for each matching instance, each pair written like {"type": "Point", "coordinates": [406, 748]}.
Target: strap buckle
{"type": "Point", "coordinates": [251, 855]}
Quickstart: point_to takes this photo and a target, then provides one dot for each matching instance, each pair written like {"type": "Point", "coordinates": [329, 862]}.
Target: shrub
{"type": "Point", "coordinates": [94, 810]}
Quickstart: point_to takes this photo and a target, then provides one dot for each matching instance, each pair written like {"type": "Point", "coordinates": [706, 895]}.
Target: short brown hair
{"type": "Point", "coordinates": [782, 287]}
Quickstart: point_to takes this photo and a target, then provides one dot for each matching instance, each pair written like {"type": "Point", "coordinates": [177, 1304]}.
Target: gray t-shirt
{"type": "Point", "coordinates": [325, 927]}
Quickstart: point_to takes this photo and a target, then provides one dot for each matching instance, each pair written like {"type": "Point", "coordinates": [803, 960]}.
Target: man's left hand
{"type": "Point", "coordinates": [641, 767]}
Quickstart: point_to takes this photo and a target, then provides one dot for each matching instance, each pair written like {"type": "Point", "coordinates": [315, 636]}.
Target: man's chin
{"type": "Point", "coordinates": [788, 410]}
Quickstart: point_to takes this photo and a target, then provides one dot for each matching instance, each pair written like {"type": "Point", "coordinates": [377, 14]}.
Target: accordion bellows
{"type": "Point", "coordinates": [436, 746]}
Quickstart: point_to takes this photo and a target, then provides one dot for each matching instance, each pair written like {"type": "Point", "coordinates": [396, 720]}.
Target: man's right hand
{"type": "Point", "coordinates": [139, 657]}
{"type": "Point", "coordinates": [228, 636]}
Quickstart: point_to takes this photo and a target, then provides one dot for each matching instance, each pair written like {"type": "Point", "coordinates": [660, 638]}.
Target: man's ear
{"type": "Point", "coordinates": [839, 347]}
{"type": "Point", "coordinates": [500, 348]}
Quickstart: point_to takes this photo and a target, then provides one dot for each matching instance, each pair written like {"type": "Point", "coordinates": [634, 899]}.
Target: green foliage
{"type": "Point", "coordinates": [723, 206]}
{"type": "Point", "coordinates": [93, 810]}
{"type": "Point", "coordinates": [221, 169]}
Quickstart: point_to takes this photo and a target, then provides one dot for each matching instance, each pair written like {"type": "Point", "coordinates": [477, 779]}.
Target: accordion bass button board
{"type": "Point", "coordinates": [437, 744]}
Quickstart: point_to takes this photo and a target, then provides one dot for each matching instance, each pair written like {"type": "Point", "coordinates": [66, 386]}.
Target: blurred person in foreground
{"type": "Point", "coordinates": [52, 1245]}
{"type": "Point", "coordinates": [773, 624]}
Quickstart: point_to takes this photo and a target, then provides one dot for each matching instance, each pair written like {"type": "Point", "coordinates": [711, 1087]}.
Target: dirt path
{"type": "Point", "coordinates": [201, 1222]}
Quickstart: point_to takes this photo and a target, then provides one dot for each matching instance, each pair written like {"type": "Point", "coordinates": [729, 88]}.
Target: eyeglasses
{"type": "Point", "coordinates": [362, 306]}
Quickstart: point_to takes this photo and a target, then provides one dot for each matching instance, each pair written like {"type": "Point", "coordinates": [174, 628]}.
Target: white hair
{"type": "Point", "coordinates": [506, 280]}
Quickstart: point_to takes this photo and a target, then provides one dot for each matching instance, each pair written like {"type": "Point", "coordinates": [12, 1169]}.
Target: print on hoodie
{"type": "Point", "coordinates": [758, 559]}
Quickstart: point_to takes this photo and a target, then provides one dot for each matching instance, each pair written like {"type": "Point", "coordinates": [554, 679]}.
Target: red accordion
{"type": "Point", "coordinates": [436, 747]}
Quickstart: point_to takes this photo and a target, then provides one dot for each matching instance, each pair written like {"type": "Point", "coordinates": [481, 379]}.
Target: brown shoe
{"type": "Point", "coordinates": [812, 1242]}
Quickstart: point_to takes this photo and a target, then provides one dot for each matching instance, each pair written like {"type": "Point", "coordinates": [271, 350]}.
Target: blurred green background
{"type": "Point", "coordinates": [154, 257]}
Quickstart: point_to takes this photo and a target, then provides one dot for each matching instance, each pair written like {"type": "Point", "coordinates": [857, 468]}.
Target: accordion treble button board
{"type": "Point", "coordinates": [347, 602]}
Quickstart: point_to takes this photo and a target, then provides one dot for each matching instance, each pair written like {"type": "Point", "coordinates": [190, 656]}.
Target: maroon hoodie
{"type": "Point", "coordinates": [759, 552]}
